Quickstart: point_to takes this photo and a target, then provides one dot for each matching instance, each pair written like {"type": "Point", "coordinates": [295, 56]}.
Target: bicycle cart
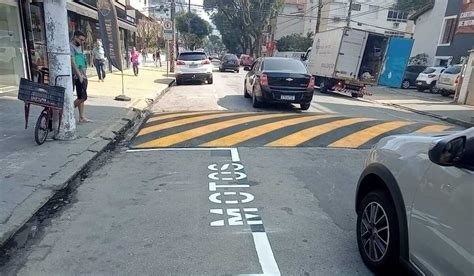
{"type": "Point", "coordinates": [51, 98]}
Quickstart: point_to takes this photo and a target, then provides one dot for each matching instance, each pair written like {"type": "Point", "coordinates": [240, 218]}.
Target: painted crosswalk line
{"type": "Point", "coordinates": [258, 129]}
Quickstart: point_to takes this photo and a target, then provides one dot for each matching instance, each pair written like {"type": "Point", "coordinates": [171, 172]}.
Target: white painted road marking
{"type": "Point", "coordinates": [260, 238]}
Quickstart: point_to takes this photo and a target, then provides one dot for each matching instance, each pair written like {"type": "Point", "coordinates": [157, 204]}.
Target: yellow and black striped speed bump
{"type": "Point", "coordinates": [256, 129]}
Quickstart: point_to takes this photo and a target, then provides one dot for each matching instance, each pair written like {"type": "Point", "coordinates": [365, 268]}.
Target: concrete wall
{"type": "Point", "coordinates": [466, 95]}
{"type": "Point", "coordinates": [427, 31]}
{"type": "Point", "coordinates": [287, 25]}
{"type": "Point", "coordinates": [372, 15]}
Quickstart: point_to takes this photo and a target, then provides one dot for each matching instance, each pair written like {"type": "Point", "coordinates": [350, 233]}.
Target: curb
{"type": "Point", "coordinates": [439, 117]}
{"type": "Point", "coordinates": [62, 180]}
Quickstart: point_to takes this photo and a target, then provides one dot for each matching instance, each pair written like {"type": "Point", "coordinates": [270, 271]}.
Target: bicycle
{"type": "Point", "coordinates": [51, 98]}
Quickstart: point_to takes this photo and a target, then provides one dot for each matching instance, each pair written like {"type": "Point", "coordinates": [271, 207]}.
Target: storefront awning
{"type": "Point", "coordinates": [92, 13]}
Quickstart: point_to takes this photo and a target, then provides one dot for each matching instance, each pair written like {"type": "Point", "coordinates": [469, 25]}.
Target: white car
{"type": "Point", "coordinates": [428, 78]}
{"type": "Point", "coordinates": [193, 66]}
{"type": "Point", "coordinates": [449, 80]}
{"type": "Point", "coordinates": [415, 204]}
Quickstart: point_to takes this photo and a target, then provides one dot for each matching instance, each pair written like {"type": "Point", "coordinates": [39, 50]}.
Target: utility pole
{"type": "Point", "coordinates": [189, 6]}
{"type": "Point", "coordinates": [59, 59]}
{"type": "Point", "coordinates": [173, 43]}
{"type": "Point", "coordinates": [318, 19]}
{"type": "Point", "coordinates": [349, 14]}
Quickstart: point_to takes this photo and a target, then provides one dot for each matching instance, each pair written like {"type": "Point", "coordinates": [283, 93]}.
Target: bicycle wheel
{"type": "Point", "coordinates": [41, 128]}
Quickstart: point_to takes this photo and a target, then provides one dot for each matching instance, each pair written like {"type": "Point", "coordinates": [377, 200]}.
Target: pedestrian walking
{"type": "Point", "coordinates": [144, 55]}
{"type": "Point", "coordinates": [98, 54]}
{"type": "Point", "coordinates": [79, 70]}
{"type": "Point", "coordinates": [134, 55]}
{"type": "Point", "coordinates": [157, 57]}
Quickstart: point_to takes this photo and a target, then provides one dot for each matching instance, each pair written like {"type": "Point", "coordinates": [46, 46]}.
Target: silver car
{"type": "Point", "coordinates": [414, 204]}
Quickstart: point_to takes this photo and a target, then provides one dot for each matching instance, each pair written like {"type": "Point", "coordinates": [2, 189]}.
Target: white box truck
{"type": "Point", "coordinates": [347, 59]}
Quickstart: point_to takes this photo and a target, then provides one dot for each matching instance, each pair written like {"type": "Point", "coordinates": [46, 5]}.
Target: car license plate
{"type": "Point", "coordinates": [446, 80]}
{"type": "Point", "coordinates": [287, 97]}
{"type": "Point", "coordinates": [193, 65]}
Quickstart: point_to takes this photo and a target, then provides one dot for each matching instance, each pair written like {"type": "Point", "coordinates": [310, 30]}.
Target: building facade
{"type": "Point", "coordinates": [372, 15]}
{"type": "Point", "coordinates": [454, 44]}
{"type": "Point", "coordinates": [428, 23]}
{"type": "Point", "coordinates": [23, 37]}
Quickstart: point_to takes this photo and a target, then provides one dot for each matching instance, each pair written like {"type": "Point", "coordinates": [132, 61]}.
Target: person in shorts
{"type": "Point", "coordinates": [79, 69]}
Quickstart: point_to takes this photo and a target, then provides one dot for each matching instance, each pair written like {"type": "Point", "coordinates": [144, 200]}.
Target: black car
{"type": "Point", "coordinates": [272, 79]}
{"type": "Point", "coordinates": [230, 62]}
{"type": "Point", "coordinates": [411, 73]}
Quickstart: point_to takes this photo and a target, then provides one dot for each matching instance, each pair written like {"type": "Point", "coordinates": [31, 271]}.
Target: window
{"type": "Point", "coordinates": [355, 7]}
{"type": "Point", "coordinates": [291, 65]}
{"type": "Point", "coordinates": [397, 16]}
{"type": "Point", "coordinates": [455, 69]}
{"type": "Point", "coordinates": [192, 56]}
{"type": "Point", "coordinates": [448, 30]}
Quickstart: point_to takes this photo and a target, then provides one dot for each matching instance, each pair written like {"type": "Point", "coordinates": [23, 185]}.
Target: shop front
{"type": "Point", "coordinates": [23, 47]}
{"type": "Point", "coordinates": [12, 62]}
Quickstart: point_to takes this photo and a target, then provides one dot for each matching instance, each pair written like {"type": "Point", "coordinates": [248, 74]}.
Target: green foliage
{"type": "Point", "coordinates": [242, 22]}
{"type": "Point", "coordinates": [420, 59]}
{"type": "Point", "coordinates": [193, 29]}
{"type": "Point", "coordinates": [215, 44]}
{"type": "Point", "coordinates": [295, 43]}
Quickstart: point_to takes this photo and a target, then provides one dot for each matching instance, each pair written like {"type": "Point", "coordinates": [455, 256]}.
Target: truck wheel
{"type": "Point", "coordinates": [323, 87]}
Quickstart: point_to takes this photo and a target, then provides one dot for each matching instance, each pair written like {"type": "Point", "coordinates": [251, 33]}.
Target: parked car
{"type": "Point", "coordinates": [414, 204]}
{"type": "Point", "coordinates": [230, 62]}
{"type": "Point", "coordinates": [272, 79]}
{"type": "Point", "coordinates": [449, 79]}
{"type": "Point", "coordinates": [411, 73]}
{"type": "Point", "coordinates": [428, 78]}
{"type": "Point", "coordinates": [216, 62]}
{"type": "Point", "coordinates": [193, 66]}
{"type": "Point", "coordinates": [246, 60]}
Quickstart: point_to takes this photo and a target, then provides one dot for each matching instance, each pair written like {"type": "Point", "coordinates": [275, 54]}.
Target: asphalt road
{"type": "Point", "coordinates": [208, 192]}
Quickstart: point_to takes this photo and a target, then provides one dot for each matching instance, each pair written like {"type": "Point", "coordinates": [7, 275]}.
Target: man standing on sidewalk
{"type": "Point", "coordinates": [98, 54]}
{"type": "Point", "coordinates": [79, 70]}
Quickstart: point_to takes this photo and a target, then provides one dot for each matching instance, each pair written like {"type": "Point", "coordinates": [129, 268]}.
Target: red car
{"type": "Point", "coordinates": [246, 60]}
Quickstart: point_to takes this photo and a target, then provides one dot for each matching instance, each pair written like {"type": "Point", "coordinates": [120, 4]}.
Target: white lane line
{"type": "Point", "coordinates": [178, 149]}
{"type": "Point", "coordinates": [235, 155]}
{"type": "Point", "coordinates": [265, 254]}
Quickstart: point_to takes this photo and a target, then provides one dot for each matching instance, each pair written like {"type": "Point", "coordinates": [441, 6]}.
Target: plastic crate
{"type": "Point", "coordinates": [41, 94]}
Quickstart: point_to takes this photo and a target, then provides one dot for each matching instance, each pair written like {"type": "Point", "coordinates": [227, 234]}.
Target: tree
{"type": "Point", "coordinates": [295, 42]}
{"type": "Point", "coordinates": [215, 44]}
{"type": "Point", "coordinates": [149, 33]}
{"type": "Point", "coordinates": [247, 17]}
{"type": "Point", "coordinates": [193, 29]}
{"type": "Point", "coordinates": [411, 5]}
{"type": "Point", "coordinates": [419, 59]}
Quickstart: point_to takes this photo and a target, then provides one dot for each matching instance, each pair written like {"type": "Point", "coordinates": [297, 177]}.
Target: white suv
{"type": "Point", "coordinates": [428, 78]}
{"type": "Point", "coordinates": [193, 66]}
{"type": "Point", "coordinates": [415, 204]}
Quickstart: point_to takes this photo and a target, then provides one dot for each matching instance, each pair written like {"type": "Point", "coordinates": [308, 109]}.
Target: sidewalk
{"type": "Point", "coordinates": [30, 174]}
{"type": "Point", "coordinates": [425, 103]}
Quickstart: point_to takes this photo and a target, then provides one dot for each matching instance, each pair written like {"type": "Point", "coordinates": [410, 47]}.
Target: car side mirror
{"type": "Point", "coordinates": [246, 68]}
{"type": "Point", "coordinates": [448, 152]}
{"type": "Point", "coordinates": [303, 57]}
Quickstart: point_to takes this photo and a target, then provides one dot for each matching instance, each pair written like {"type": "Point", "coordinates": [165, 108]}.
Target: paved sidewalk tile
{"type": "Point", "coordinates": [29, 174]}
{"type": "Point", "coordinates": [426, 103]}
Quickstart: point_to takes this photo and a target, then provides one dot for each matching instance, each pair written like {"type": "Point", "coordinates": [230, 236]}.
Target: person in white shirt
{"type": "Point", "coordinates": [98, 54]}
